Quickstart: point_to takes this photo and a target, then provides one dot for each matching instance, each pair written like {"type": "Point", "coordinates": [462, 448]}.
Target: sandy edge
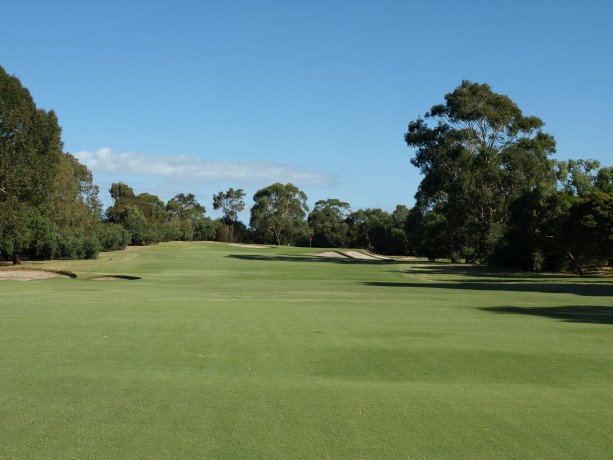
{"type": "Point", "coordinates": [28, 275]}
{"type": "Point", "coordinates": [332, 254]}
{"type": "Point", "coordinates": [349, 254]}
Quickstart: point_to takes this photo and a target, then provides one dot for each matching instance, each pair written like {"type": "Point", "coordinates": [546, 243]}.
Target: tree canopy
{"type": "Point", "coordinates": [278, 215]}
{"type": "Point", "coordinates": [231, 203]}
{"type": "Point", "coordinates": [328, 223]}
{"type": "Point", "coordinates": [30, 152]}
{"type": "Point", "coordinates": [481, 154]}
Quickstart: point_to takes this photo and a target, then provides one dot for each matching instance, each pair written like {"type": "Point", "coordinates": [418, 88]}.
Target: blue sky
{"type": "Point", "coordinates": [198, 96]}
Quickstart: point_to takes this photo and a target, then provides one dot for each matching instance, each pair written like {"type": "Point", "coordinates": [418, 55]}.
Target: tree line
{"type": "Point", "coordinates": [50, 206]}
{"type": "Point", "coordinates": [490, 194]}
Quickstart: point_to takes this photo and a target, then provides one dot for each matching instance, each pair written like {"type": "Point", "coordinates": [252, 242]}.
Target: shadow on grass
{"type": "Point", "coordinates": [573, 314]}
{"type": "Point", "coordinates": [309, 258]}
{"type": "Point", "coordinates": [116, 277]}
{"type": "Point", "coordinates": [585, 289]}
{"type": "Point", "coordinates": [442, 268]}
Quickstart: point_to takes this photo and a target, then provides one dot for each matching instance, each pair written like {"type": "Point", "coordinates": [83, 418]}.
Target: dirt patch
{"type": "Point", "coordinates": [28, 275]}
{"type": "Point", "coordinates": [333, 254]}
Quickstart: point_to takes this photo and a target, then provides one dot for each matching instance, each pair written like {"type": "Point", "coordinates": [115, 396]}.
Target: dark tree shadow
{"type": "Point", "coordinates": [442, 268]}
{"type": "Point", "coordinates": [586, 289]}
{"type": "Point", "coordinates": [574, 314]}
{"type": "Point", "coordinates": [116, 277]}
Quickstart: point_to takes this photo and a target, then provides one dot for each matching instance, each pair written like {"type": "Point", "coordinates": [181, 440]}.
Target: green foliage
{"type": "Point", "coordinates": [482, 154]}
{"type": "Point", "coordinates": [189, 216]}
{"type": "Point", "coordinates": [112, 236]}
{"type": "Point", "coordinates": [378, 230]}
{"type": "Point", "coordinates": [533, 240]}
{"type": "Point", "coordinates": [45, 241]}
{"type": "Point", "coordinates": [397, 242]}
{"type": "Point", "coordinates": [170, 230]}
{"type": "Point", "coordinates": [588, 232]}
{"type": "Point", "coordinates": [604, 180]}
{"type": "Point", "coordinates": [231, 203]}
{"type": "Point", "coordinates": [185, 207]}
{"type": "Point", "coordinates": [368, 229]}
{"type": "Point", "coordinates": [152, 207]}
{"type": "Point", "coordinates": [15, 232]}
{"type": "Point", "coordinates": [563, 228]}
{"type": "Point", "coordinates": [278, 215]}
{"type": "Point", "coordinates": [134, 221]}
{"type": "Point", "coordinates": [74, 243]}
{"type": "Point", "coordinates": [204, 229]}
{"type": "Point", "coordinates": [30, 150]}
{"type": "Point", "coordinates": [148, 220]}
{"type": "Point", "coordinates": [578, 177]}
{"type": "Point", "coordinates": [490, 193]}
{"type": "Point", "coordinates": [73, 200]}
{"type": "Point", "coordinates": [428, 235]}
{"type": "Point", "coordinates": [236, 232]}
{"type": "Point", "coordinates": [119, 191]}
{"type": "Point", "coordinates": [328, 224]}
{"type": "Point", "coordinates": [398, 239]}
{"type": "Point", "coordinates": [49, 205]}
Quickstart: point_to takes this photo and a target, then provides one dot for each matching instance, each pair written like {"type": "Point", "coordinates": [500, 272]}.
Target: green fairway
{"type": "Point", "coordinates": [221, 351]}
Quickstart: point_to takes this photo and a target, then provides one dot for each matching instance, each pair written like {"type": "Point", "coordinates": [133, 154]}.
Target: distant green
{"type": "Point", "coordinates": [222, 351]}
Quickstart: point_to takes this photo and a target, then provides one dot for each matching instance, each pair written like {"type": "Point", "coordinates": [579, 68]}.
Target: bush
{"type": "Point", "coordinates": [76, 243]}
{"type": "Point", "coordinates": [44, 244]}
{"type": "Point", "coordinates": [112, 237]}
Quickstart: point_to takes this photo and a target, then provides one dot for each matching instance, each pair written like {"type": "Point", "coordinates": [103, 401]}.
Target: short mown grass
{"type": "Point", "coordinates": [220, 351]}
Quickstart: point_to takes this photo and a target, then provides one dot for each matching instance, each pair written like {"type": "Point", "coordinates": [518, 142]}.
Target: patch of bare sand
{"type": "Point", "coordinates": [333, 254]}
{"type": "Point", "coordinates": [361, 255]}
{"type": "Point", "coordinates": [28, 275]}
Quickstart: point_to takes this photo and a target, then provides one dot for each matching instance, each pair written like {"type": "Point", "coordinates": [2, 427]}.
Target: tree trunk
{"type": "Point", "coordinates": [277, 236]}
{"type": "Point", "coordinates": [574, 262]}
{"type": "Point", "coordinates": [16, 259]}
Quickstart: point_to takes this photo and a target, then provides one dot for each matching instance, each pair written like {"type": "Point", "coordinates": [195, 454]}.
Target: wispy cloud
{"type": "Point", "coordinates": [189, 168]}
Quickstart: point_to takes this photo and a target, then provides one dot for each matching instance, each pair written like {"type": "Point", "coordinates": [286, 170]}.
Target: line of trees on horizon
{"type": "Point", "coordinates": [489, 194]}
{"type": "Point", "coordinates": [50, 209]}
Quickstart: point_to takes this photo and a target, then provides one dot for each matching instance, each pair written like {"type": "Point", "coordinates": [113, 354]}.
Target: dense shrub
{"type": "Point", "coordinates": [112, 237]}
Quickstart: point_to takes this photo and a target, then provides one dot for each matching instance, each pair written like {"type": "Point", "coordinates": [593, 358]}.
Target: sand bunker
{"type": "Point", "coordinates": [28, 275]}
{"type": "Point", "coordinates": [360, 255]}
{"type": "Point", "coordinates": [350, 254]}
{"type": "Point", "coordinates": [366, 255]}
{"type": "Point", "coordinates": [332, 254]}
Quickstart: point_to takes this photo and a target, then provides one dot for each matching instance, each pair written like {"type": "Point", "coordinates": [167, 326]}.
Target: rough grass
{"type": "Point", "coordinates": [228, 352]}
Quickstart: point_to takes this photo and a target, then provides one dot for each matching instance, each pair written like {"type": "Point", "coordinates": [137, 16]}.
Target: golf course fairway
{"type": "Point", "coordinates": [221, 351]}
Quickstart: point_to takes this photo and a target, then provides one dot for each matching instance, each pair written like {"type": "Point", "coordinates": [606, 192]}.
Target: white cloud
{"type": "Point", "coordinates": [189, 168]}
